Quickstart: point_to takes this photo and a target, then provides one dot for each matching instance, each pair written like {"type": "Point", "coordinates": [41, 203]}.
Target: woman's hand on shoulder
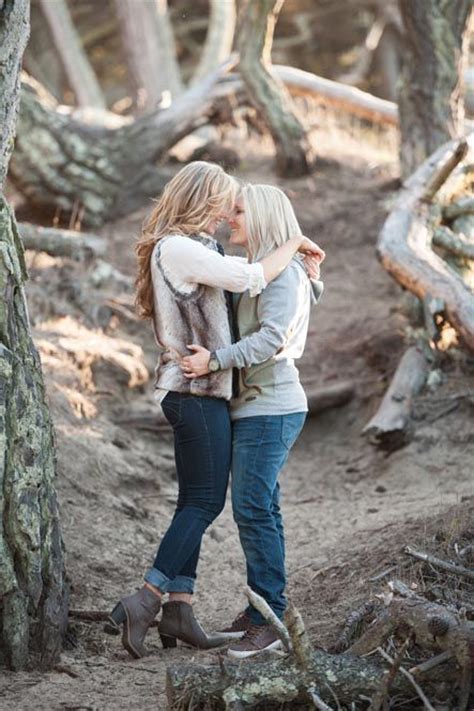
{"type": "Point", "coordinates": [196, 365]}
{"type": "Point", "coordinates": [309, 247]}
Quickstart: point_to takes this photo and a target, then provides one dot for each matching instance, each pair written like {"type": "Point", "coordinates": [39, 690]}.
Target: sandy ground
{"type": "Point", "coordinates": [348, 508]}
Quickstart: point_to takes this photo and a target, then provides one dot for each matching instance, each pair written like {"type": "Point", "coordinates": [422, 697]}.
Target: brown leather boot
{"type": "Point", "coordinates": [178, 622]}
{"type": "Point", "coordinates": [136, 613]}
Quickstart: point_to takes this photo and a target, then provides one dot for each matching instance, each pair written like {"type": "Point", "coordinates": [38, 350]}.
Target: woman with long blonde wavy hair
{"type": "Point", "coordinates": [182, 280]}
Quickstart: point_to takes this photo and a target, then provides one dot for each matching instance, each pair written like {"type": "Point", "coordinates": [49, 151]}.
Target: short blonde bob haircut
{"type": "Point", "coordinates": [199, 193]}
{"type": "Point", "coordinates": [270, 219]}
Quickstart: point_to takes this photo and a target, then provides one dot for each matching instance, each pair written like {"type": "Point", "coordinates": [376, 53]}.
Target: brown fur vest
{"type": "Point", "coordinates": [181, 318]}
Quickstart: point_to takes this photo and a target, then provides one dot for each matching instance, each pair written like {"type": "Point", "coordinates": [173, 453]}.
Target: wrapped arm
{"type": "Point", "coordinates": [277, 309]}
{"type": "Point", "coordinates": [191, 262]}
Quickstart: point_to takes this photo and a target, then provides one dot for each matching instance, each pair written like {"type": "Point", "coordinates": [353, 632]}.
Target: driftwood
{"type": "Point", "coordinates": [61, 243]}
{"type": "Point", "coordinates": [404, 245]}
{"type": "Point", "coordinates": [340, 96]}
{"type": "Point", "coordinates": [465, 206]}
{"type": "Point", "coordinates": [456, 244]}
{"type": "Point", "coordinates": [330, 396]}
{"type": "Point", "coordinates": [282, 681]}
{"type": "Point", "coordinates": [390, 426]}
{"type": "Point", "coordinates": [434, 627]}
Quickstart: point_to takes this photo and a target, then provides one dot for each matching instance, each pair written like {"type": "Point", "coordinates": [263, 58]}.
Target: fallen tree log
{"type": "Point", "coordinates": [61, 243]}
{"type": "Point", "coordinates": [390, 425]}
{"type": "Point", "coordinates": [404, 245]}
{"type": "Point", "coordinates": [354, 101]}
{"type": "Point", "coordinates": [282, 681]}
{"type": "Point", "coordinates": [329, 396]}
{"type": "Point", "coordinates": [101, 173]}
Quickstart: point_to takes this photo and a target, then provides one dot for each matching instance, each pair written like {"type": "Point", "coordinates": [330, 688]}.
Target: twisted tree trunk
{"type": "Point", "coordinates": [100, 173]}
{"type": "Point", "coordinates": [293, 152]}
{"type": "Point", "coordinates": [33, 596]}
{"type": "Point", "coordinates": [79, 72]}
{"type": "Point", "coordinates": [431, 89]}
{"type": "Point", "coordinates": [150, 51]}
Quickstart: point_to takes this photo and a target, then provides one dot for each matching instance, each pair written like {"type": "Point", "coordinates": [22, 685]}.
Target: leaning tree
{"type": "Point", "coordinates": [33, 593]}
{"type": "Point", "coordinates": [431, 101]}
{"type": "Point", "coordinates": [293, 151]}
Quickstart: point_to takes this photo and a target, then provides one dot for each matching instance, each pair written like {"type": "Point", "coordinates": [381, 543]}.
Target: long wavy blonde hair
{"type": "Point", "coordinates": [269, 218]}
{"type": "Point", "coordinates": [198, 193]}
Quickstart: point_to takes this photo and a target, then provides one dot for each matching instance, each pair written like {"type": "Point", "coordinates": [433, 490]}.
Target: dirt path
{"type": "Point", "coordinates": [348, 508]}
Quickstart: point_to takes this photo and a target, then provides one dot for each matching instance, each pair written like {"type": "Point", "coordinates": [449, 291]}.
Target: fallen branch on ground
{"type": "Point", "coordinates": [438, 563]}
{"type": "Point", "coordinates": [61, 243]}
{"type": "Point", "coordinates": [329, 396]}
{"type": "Point", "coordinates": [390, 426]}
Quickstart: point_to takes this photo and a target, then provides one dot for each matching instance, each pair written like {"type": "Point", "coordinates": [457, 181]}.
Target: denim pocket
{"type": "Point", "coordinates": [171, 406]}
{"type": "Point", "coordinates": [291, 426]}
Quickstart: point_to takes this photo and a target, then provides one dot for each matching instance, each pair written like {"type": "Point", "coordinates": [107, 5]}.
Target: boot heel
{"type": "Point", "coordinates": [116, 618]}
{"type": "Point", "coordinates": [167, 641]}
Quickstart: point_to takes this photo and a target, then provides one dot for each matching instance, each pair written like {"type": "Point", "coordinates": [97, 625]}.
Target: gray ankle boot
{"type": "Point", "coordinates": [178, 622]}
{"type": "Point", "coordinates": [136, 613]}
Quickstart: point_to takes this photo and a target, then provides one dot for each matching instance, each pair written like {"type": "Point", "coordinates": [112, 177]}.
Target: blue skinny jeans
{"type": "Point", "coordinates": [202, 440]}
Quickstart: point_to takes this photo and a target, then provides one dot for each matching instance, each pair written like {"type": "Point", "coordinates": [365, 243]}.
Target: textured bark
{"type": "Point", "coordinates": [293, 152]}
{"type": "Point", "coordinates": [404, 244]}
{"type": "Point", "coordinates": [150, 51]}
{"type": "Point", "coordinates": [78, 69]}
{"type": "Point", "coordinates": [61, 243]}
{"type": "Point", "coordinates": [33, 610]}
{"type": "Point", "coordinates": [219, 39]}
{"type": "Point", "coordinates": [278, 682]}
{"type": "Point", "coordinates": [431, 96]}
{"type": "Point", "coordinates": [389, 427]}
{"type": "Point", "coordinates": [99, 173]}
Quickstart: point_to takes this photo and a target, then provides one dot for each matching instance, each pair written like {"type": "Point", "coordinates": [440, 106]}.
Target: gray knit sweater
{"type": "Point", "coordinates": [273, 327]}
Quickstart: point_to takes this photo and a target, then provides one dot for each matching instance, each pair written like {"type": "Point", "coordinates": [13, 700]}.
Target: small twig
{"type": "Point", "coordinates": [62, 669]}
{"type": "Point", "coordinates": [264, 608]}
{"type": "Point", "coordinates": [387, 571]}
{"type": "Point", "coordinates": [89, 615]}
{"type": "Point", "coordinates": [438, 563]}
{"type": "Point", "coordinates": [317, 701]}
{"type": "Point", "coordinates": [380, 696]}
{"type": "Point", "coordinates": [431, 663]}
{"type": "Point", "coordinates": [301, 645]}
{"type": "Point", "coordinates": [406, 674]}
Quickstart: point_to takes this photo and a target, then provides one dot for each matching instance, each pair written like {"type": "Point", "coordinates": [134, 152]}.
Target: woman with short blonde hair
{"type": "Point", "coordinates": [182, 275]}
{"type": "Point", "coordinates": [270, 409]}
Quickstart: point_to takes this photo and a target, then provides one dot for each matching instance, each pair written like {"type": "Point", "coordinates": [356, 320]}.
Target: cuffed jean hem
{"type": "Point", "coordinates": [256, 618]}
{"type": "Point", "coordinates": [181, 583]}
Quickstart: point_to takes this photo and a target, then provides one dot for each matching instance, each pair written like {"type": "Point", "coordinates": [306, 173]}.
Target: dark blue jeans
{"type": "Point", "coordinates": [202, 439]}
{"type": "Point", "coordinates": [260, 448]}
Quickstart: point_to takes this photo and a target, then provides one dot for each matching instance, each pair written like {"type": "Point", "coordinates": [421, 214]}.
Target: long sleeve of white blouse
{"type": "Point", "coordinates": [187, 262]}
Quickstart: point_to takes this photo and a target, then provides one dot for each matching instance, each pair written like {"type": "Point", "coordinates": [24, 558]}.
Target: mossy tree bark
{"type": "Point", "coordinates": [431, 88]}
{"type": "Point", "coordinates": [33, 595]}
{"type": "Point", "coordinates": [60, 163]}
{"type": "Point", "coordinates": [269, 95]}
